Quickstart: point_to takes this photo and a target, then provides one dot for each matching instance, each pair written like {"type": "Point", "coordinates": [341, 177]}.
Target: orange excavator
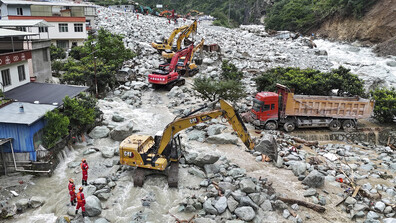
{"type": "Point", "coordinates": [168, 75]}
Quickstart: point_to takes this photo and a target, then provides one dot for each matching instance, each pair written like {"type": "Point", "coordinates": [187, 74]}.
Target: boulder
{"type": "Point", "coordinates": [201, 159]}
{"type": "Point", "coordinates": [226, 186]}
{"type": "Point", "coordinates": [237, 172]}
{"type": "Point", "coordinates": [223, 138]}
{"type": "Point", "coordinates": [246, 201]}
{"type": "Point", "coordinates": [122, 131]}
{"type": "Point", "coordinates": [267, 145]}
{"type": "Point", "coordinates": [196, 135]}
{"type": "Point", "coordinates": [232, 204]}
{"type": "Point", "coordinates": [372, 215]}
{"type": "Point", "coordinates": [22, 204]}
{"type": "Point", "coordinates": [102, 220]}
{"type": "Point", "coordinates": [247, 185]}
{"type": "Point", "coordinates": [71, 211]}
{"type": "Point", "coordinates": [211, 170]}
{"type": "Point", "coordinates": [72, 165]}
{"type": "Point", "coordinates": [266, 205]}
{"type": "Point", "coordinates": [89, 190]}
{"type": "Point", "coordinates": [86, 152]}
{"type": "Point", "coordinates": [93, 207]}
{"type": "Point", "coordinates": [36, 201]}
{"type": "Point", "coordinates": [208, 207]}
{"type": "Point", "coordinates": [117, 118]}
{"type": "Point", "coordinates": [245, 213]}
{"type": "Point", "coordinates": [99, 183]}
{"type": "Point", "coordinates": [107, 152]}
{"type": "Point", "coordinates": [221, 205]}
{"type": "Point", "coordinates": [389, 220]}
{"type": "Point", "coordinates": [215, 129]}
{"type": "Point", "coordinates": [350, 201]}
{"type": "Point", "coordinates": [99, 132]}
{"type": "Point", "coordinates": [379, 206]}
{"type": "Point", "coordinates": [299, 168]}
{"type": "Point", "coordinates": [310, 192]}
{"type": "Point", "coordinates": [204, 220]}
{"type": "Point", "coordinates": [197, 172]}
{"type": "Point", "coordinates": [314, 179]}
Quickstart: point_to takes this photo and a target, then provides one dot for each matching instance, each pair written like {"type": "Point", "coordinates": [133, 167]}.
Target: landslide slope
{"type": "Point", "coordinates": [378, 25]}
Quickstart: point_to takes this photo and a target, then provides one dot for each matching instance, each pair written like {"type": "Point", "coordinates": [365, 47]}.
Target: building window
{"type": "Point", "coordinates": [45, 55]}
{"type": "Point", "coordinates": [43, 29]}
{"type": "Point", "coordinates": [78, 28]}
{"type": "Point", "coordinates": [74, 44]}
{"type": "Point", "coordinates": [22, 29]}
{"type": "Point", "coordinates": [88, 22]}
{"type": "Point", "coordinates": [19, 11]}
{"type": "Point", "coordinates": [5, 76]}
{"type": "Point", "coordinates": [63, 28]}
{"type": "Point", "coordinates": [62, 44]}
{"type": "Point", "coordinates": [21, 73]}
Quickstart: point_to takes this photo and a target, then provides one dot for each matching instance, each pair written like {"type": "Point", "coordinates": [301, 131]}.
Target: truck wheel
{"type": "Point", "coordinates": [289, 126]}
{"type": "Point", "coordinates": [335, 125]}
{"type": "Point", "coordinates": [348, 125]}
{"type": "Point", "coordinates": [270, 126]}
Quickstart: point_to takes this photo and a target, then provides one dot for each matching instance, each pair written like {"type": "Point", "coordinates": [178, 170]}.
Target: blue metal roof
{"type": "Point", "coordinates": [32, 112]}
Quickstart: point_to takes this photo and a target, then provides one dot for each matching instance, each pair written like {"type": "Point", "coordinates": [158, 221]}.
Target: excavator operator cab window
{"type": "Point", "coordinates": [265, 108]}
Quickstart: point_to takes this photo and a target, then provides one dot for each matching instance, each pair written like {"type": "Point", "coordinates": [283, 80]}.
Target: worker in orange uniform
{"type": "Point", "coordinates": [72, 192]}
{"type": "Point", "coordinates": [81, 202]}
{"type": "Point", "coordinates": [84, 168]}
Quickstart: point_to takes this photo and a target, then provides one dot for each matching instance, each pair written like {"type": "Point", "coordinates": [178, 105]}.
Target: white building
{"type": "Point", "coordinates": [69, 22]}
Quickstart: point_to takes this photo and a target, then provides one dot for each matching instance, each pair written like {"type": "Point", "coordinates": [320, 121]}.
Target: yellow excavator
{"type": "Point", "coordinates": [168, 53]}
{"type": "Point", "coordinates": [161, 154]}
{"type": "Point", "coordinates": [164, 44]}
{"type": "Point", "coordinates": [191, 69]}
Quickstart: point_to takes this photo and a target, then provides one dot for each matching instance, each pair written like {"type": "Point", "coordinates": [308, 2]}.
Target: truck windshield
{"type": "Point", "coordinates": [257, 105]}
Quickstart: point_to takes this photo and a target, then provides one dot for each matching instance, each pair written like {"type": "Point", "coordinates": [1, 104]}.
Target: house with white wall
{"type": "Point", "coordinates": [69, 21]}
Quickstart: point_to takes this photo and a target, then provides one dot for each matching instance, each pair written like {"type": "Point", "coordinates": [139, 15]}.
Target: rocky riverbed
{"type": "Point", "coordinates": [219, 179]}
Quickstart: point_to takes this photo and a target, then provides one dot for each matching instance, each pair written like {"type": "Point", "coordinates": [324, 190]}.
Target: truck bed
{"type": "Point", "coordinates": [328, 106]}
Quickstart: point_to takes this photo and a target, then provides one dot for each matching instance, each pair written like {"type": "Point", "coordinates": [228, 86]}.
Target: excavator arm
{"type": "Point", "coordinates": [197, 47]}
{"type": "Point", "coordinates": [227, 111]}
{"type": "Point", "coordinates": [174, 33]}
{"type": "Point", "coordinates": [186, 33]}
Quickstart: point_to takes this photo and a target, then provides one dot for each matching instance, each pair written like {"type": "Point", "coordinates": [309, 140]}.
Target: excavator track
{"type": "Point", "coordinates": [173, 175]}
{"type": "Point", "coordinates": [138, 177]}
{"type": "Point", "coordinates": [179, 82]}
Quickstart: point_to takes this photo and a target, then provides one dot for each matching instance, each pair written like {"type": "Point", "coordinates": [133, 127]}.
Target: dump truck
{"type": "Point", "coordinates": [284, 108]}
{"type": "Point", "coordinates": [161, 153]}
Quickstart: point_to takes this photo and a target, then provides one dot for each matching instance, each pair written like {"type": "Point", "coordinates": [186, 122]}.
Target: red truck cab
{"type": "Point", "coordinates": [265, 110]}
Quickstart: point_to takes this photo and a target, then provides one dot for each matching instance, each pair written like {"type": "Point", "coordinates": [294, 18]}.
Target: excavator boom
{"type": "Point", "coordinates": [159, 45]}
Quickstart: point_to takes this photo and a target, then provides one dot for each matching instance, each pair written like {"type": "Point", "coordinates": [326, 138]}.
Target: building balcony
{"type": "Point", "coordinates": [49, 18]}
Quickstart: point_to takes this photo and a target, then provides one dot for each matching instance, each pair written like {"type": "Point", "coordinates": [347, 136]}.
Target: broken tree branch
{"type": "Point", "coordinates": [312, 206]}
{"type": "Point", "coordinates": [305, 142]}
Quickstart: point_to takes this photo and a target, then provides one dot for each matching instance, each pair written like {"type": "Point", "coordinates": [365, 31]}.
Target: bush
{"type": "Point", "coordinates": [385, 104]}
{"type": "Point", "coordinates": [312, 82]}
{"type": "Point", "coordinates": [78, 52]}
{"type": "Point", "coordinates": [57, 53]}
{"type": "Point", "coordinates": [57, 66]}
{"type": "Point", "coordinates": [228, 87]}
{"type": "Point", "coordinates": [56, 127]}
{"type": "Point", "coordinates": [80, 113]}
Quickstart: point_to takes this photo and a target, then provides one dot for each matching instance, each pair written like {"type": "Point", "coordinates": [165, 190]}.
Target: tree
{"type": "Point", "coordinates": [80, 113]}
{"type": "Point", "coordinates": [385, 104]}
{"type": "Point", "coordinates": [228, 86]}
{"type": "Point", "coordinates": [56, 127]}
{"type": "Point", "coordinates": [312, 82]}
{"type": "Point", "coordinates": [57, 52]}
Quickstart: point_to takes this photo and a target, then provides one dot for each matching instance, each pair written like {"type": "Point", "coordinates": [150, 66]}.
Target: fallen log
{"type": "Point", "coordinates": [305, 142]}
{"type": "Point", "coordinates": [314, 207]}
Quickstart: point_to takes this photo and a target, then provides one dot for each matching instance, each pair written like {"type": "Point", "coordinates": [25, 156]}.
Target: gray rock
{"type": "Point", "coordinates": [389, 220]}
{"type": "Point", "coordinates": [117, 118]}
{"type": "Point", "coordinates": [246, 201]}
{"type": "Point", "coordinates": [379, 206]}
{"type": "Point", "coordinates": [201, 159]}
{"type": "Point", "coordinates": [237, 172]}
{"type": "Point", "coordinates": [195, 134]}
{"type": "Point", "coordinates": [102, 220]}
{"type": "Point", "coordinates": [388, 210]}
{"type": "Point", "coordinates": [295, 207]}
{"type": "Point", "coordinates": [93, 207]}
{"type": "Point", "coordinates": [245, 213]}
{"type": "Point", "coordinates": [286, 213]}
{"type": "Point", "coordinates": [310, 192]}
{"type": "Point", "coordinates": [299, 168]}
{"type": "Point", "coordinates": [72, 165]}
{"type": "Point", "coordinates": [372, 215]}
{"type": "Point", "coordinates": [99, 183]}
{"type": "Point", "coordinates": [247, 185]}
{"type": "Point", "coordinates": [267, 145]}
{"type": "Point", "coordinates": [226, 186]}
{"type": "Point", "coordinates": [215, 129]}
{"type": "Point", "coordinates": [367, 167]}
{"type": "Point", "coordinates": [99, 132]}
{"type": "Point", "coordinates": [204, 220]}
{"type": "Point", "coordinates": [360, 207]}
{"type": "Point", "coordinates": [232, 204]}
{"type": "Point", "coordinates": [104, 196]}
{"type": "Point", "coordinates": [350, 201]}
{"type": "Point", "coordinates": [22, 204]}
{"type": "Point", "coordinates": [266, 206]}
{"type": "Point", "coordinates": [391, 63]}
{"type": "Point", "coordinates": [86, 152]}
{"type": "Point", "coordinates": [223, 138]}
{"type": "Point", "coordinates": [208, 207]}
{"type": "Point", "coordinates": [122, 131]}
{"type": "Point", "coordinates": [196, 172]}
{"type": "Point", "coordinates": [107, 152]}
{"type": "Point", "coordinates": [211, 170]}
{"type": "Point", "coordinates": [36, 201]}
{"type": "Point", "coordinates": [314, 179]}
{"type": "Point", "coordinates": [89, 190]}
{"type": "Point", "coordinates": [221, 204]}
{"type": "Point", "coordinates": [139, 217]}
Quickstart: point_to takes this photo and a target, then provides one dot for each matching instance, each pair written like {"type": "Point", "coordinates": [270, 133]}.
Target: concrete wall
{"type": "Point", "coordinates": [14, 75]}
{"type": "Point", "coordinates": [4, 10]}
{"type": "Point", "coordinates": [55, 34]}
{"type": "Point", "coordinates": [41, 67]}
{"type": "Point", "coordinates": [12, 9]}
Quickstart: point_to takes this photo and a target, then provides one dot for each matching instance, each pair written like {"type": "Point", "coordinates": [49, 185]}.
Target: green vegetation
{"type": "Point", "coordinates": [303, 15]}
{"type": "Point", "coordinates": [385, 104]}
{"type": "Point", "coordinates": [312, 82]}
{"type": "Point", "coordinates": [107, 51]}
{"type": "Point", "coordinates": [56, 127]}
{"type": "Point", "coordinates": [57, 53]}
{"type": "Point", "coordinates": [76, 116]}
{"type": "Point", "coordinates": [228, 86]}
